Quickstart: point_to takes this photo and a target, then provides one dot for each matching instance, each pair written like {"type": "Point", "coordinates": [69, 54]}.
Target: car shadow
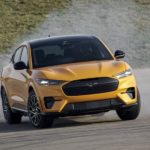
{"type": "Point", "coordinates": [58, 123]}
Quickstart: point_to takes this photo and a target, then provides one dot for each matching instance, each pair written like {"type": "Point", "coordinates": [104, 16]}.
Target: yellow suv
{"type": "Point", "coordinates": [67, 75]}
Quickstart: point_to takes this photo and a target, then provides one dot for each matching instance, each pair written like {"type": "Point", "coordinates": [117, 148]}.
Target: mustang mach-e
{"type": "Point", "coordinates": [67, 75]}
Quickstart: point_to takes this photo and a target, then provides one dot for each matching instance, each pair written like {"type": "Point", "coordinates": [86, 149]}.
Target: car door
{"type": "Point", "coordinates": [18, 80]}
{"type": "Point", "coordinates": [12, 78]}
{"type": "Point", "coordinates": [24, 76]}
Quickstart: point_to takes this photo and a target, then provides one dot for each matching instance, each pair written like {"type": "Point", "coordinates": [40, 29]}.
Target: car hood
{"type": "Point", "coordinates": [82, 70]}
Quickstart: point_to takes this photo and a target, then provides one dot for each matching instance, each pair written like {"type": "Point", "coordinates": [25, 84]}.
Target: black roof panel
{"type": "Point", "coordinates": [55, 38]}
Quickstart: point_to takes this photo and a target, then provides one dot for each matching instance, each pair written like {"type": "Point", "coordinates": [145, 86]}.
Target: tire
{"type": "Point", "coordinates": [10, 117]}
{"type": "Point", "coordinates": [36, 118]}
{"type": "Point", "coordinates": [132, 112]}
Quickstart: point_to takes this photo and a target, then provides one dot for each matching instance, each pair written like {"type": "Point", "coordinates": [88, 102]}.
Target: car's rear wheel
{"type": "Point", "coordinates": [131, 112]}
{"type": "Point", "coordinates": [10, 117]}
{"type": "Point", "coordinates": [37, 119]}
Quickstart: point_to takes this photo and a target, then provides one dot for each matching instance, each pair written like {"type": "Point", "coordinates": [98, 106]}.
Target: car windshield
{"type": "Point", "coordinates": [52, 52]}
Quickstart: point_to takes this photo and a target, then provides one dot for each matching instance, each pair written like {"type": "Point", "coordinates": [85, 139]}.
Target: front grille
{"type": "Point", "coordinates": [91, 106]}
{"type": "Point", "coordinates": [90, 86]}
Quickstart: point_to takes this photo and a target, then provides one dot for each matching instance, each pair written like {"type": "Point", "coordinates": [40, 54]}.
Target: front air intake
{"type": "Point", "coordinates": [90, 86]}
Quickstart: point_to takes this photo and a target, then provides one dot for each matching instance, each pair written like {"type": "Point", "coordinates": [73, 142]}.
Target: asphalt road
{"type": "Point", "coordinates": [85, 133]}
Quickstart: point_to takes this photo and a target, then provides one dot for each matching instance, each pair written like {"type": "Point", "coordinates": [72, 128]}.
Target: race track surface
{"type": "Point", "coordinates": [87, 132]}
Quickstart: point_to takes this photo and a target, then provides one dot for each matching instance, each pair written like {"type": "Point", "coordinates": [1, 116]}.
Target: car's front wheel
{"type": "Point", "coordinates": [37, 119]}
{"type": "Point", "coordinates": [131, 112]}
{"type": "Point", "coordinates": [10, 117]}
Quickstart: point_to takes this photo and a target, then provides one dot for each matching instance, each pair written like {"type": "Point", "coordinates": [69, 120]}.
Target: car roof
{"type": "Point", "coordinates": [55, 38]}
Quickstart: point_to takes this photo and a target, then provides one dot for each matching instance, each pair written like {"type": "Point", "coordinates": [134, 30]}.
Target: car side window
{"type": "Point", "coordinates": [24, 55]}
{"type": "Point", "coordinates": [17, 55]}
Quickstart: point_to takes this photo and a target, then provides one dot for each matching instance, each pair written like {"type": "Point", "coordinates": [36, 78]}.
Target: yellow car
{"type": "Point", "coordinates": [67, 75]}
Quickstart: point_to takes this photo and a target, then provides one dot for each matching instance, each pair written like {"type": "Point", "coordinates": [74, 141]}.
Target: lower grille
{"type": "Point", "coordinates": [90, 86]}
{"type": "Point", "coordinates": [89, 106]}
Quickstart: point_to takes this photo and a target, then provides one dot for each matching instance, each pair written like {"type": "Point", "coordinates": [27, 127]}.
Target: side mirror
{"type": "Point", "coordinates": [119, 54]}
{"type": "Point", "coordinates": [20, 65]}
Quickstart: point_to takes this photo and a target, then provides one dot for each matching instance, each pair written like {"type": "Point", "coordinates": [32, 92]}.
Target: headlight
{"type": "Point", "coordinates": [47, 82]}
{"type": "Point", "coordinates": [124, 74]}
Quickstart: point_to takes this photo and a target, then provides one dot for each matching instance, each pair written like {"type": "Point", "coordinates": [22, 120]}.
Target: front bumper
{"type": "Point", "coordinates": [62, 101]}
{"type": "Point", "coordinates": [85, 108]}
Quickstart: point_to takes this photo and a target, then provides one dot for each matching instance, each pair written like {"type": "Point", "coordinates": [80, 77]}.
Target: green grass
{"type": "Point", "coordinates": [19, 17]}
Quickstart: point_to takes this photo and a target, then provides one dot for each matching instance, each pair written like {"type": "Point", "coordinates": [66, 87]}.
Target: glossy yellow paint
{"type": "Point", "coordinates": [62, 99]}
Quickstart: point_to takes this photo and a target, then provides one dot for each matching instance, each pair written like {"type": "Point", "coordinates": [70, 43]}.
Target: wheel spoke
{"type": "Point", "coordinates": [34, 110]}
{"type": "Point", "coordinates": [5, 104]}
